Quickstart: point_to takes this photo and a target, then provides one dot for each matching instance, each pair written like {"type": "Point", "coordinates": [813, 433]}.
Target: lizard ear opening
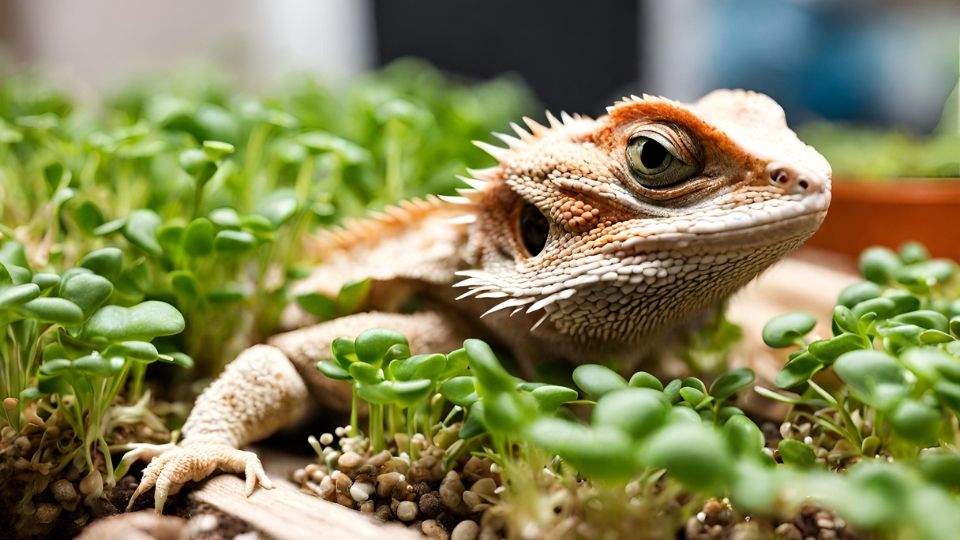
{"type": "Point", "coordinates": [533, 229]}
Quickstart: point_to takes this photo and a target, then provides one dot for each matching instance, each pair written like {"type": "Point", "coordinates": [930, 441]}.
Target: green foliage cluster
{"type": "Point", "coordinates": [890, 414]}
{"type": "Point", "coordinates": [165, 224]}
{"type": "Point", "coordinates": [208, 192]}
{"type": "Point", "coordinates": [71, 342]}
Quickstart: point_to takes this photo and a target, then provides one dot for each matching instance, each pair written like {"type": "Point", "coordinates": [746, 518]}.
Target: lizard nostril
{"type": "Point", "coordinates": [804, 184]}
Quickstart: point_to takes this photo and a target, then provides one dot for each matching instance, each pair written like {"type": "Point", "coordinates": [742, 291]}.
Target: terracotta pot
{"type": "Point", "coordinates": [889, 212]}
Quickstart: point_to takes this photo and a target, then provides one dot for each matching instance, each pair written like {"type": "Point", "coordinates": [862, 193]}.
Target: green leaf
{"type": "Point", "coordinates": [217, 149]}
{"type": "Point", "coordinates": [110, 227]}
{"type": "Point", "coordinates": [691, 396]}
{"type": "Point", "coordinates": [141, 231]}
{"type": "Point", "coordinates": [185, 283]}
{"type": "Point", "coordinates": [177, 358]}
{"type": "Point", "coordinates": [224, 296]}
{"type": "Point", "coordinates": [597, 380]}
{"type": "Point", "coordinates": [858, 292]}
{"type": "Point", "coordinates": [731, 382]}
{"type": "Point", "coordinates": [743, 437]}
{"type": "Point", "coordinates": [423, 366]}
{"type": "Point", "coordinates": [913, 252]}
{"type": "Point", "coordinates": [170, 237]}
{"type": "Point", "coordinates": [642, 379]}
{"type": "Point", "coordinates": [787, 330]}
{"type": "Point", "coordinates": [796, 453]}
{"type": "Point", "coordinates": [45, 281]}
{"type": "Point", "coordinates": [878, 264]}
{"type": "Point", "coordinates": [693, 454]}
{"type": "Point", "coordinates": [637, 412]}
{"type": "Point", "coordinates": [844, 320]}
{"type": "Point", "coordinates": [941, 467]}
{"type": "Point", "coordinates": [935, 337]}
{"type": "Point", "coordinates": [457, 361]}
{"type": "Point", "coordinates": [672, 391]}
{"type": "Point", "coordinates": [196, 163]}
{"type": "Point", "coordinates": [234, 242]}
{"type": "Point", "coordinates": [226, 218]}
{"type": "Point", "coordinates": [344, 352]}
{"type": "Point", "coordinates": [89, 291]}
{"type": "Point", "coordinates": [142, 322]}
{"type": "Point", "coordinates": [138, 350]}
{"type": "Point", "coordinates": [903, 301]}
{"type": "Point", "coordinates": [931, 363]}
{"type": "Point", "coordinates": [491, 377]}
{"type": "Point", "coordinates": [106, 262]}
{"type": "Point", "coordinates": [551, 397]}
{"type": "Point", "coordinates": [882, 307]}
{"type": "Point", "coordinates": [332, 369]}
{"type": "Point", "coordinates": [926, 273]}
{"type": "Point", "coordinates": [56, 367]}
{"type": "Point", "coordinates": [917, 422]}
{"type": "Point", "coordinates": [372, 345]}
{"type": "Point", "coordinates": [352, 295]}
{"type": "Point", "coordinates": [198, 237]}
{"type": "Point", "coordinates": [602, 453]}
{"type": "Point", "coordinates": [798, 371]}
{"type": "Point", "coordinates": [53, 310]}
{"type": "Point", "coordinates": [858, 367]}
{"type": "Point", "coordinates": [318, 305]}
{"type": "Point", "coordinates": [11, 297]}
{"type": "Point", "coordinates": [828, 350]}
{"type": "Point", "coordinates": [927, 319]}
{"type": "Point", "coordinates": [94, 365]}
{"type": "Point", "coordinates": [12, 253]}
{"type": "Point", "coordinates": [460, 391]}
{"type": "Point", "coordinates": [321, 141]}
{"type": "Point", "coordinates": [473, 426]}
{"type": "Point", "coordinates": [279, 206]}
{"type": "Point", "coordinates": [365, 373]}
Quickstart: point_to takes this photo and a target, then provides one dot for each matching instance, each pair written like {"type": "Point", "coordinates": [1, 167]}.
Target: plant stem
{"type": "Point", "coordinates": [411, 449]}
{"type": "Point", "coordinates": [376, 428]}
{"type": "Point", "coordinates": [354, 413]}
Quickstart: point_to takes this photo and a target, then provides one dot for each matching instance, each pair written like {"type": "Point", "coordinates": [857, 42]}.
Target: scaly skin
{"type": "Point", "coordinates": [587, 240]}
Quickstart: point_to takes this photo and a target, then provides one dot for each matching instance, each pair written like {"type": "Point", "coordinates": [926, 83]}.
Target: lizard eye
{"type": "Point", "coordinates": [534, 229]}
{"type": "Point", "coordinates": [655, 164]}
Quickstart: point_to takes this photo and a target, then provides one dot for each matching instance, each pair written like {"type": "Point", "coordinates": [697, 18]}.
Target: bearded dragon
{"type": "Point", "coordinates": [590, 238]}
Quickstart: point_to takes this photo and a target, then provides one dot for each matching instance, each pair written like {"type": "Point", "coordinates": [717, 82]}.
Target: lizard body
{"type": "Point", "coordinates": [590, 238]}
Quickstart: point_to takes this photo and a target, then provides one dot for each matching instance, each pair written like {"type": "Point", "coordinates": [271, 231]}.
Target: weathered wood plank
{"type": "Point", "coordinates": [284, 513]}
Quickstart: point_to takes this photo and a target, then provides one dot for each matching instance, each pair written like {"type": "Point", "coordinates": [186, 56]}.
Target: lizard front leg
{"type": "Point", "coordinates": [261, 391]}
{"type": "Point", "coordinates": [257, 394]}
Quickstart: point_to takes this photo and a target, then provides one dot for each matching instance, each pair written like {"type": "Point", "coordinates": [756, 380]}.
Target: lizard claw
{"type": "Point", "coordinates": [180, 464]}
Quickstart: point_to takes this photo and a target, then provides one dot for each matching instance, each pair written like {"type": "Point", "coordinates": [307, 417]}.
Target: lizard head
{"type": "Point", "coordinates": [612, 230]}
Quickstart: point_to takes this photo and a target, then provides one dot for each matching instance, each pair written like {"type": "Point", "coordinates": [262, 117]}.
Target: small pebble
{"type": "Point", "coordinates": [350, 460]}
{"type": "Point", "coordinates": [407, 511]}
{"type": "Point", "coordinates": [433, 530]}
{"type": "Point", "coordinates": [466, 530]}
{"type": "Point", "coordinates": [430, 505]}
{"type": "Point", "coordinates": [384, 513]}
{"type": "Point", "coordinates": [486, 489]}
{"type": "Point", "coordinates": [367, 507]}
{"type": "Point", "coordinates": [299, 476]}
{"type": "Point", "coordinates": [472, 499]}
{"type": "Point", "coordinates": [788, 531]}
{"type": "Point", "coordinates": [362, 491]}
{"type": "Point", "coordinates": [386, 483]}
{"type": "Point", "coordinates": [451, 490]}
{"type": "Point", "coordinates": [47, 512]}
{"type": "Point", "coordinates": [65, 493]}
{"type": "Point", "coordinates": [379, 460]}
{"type": "Point", "coordinates": [328, 489]}
{"type": "Point", "coordinates": [344, 500]}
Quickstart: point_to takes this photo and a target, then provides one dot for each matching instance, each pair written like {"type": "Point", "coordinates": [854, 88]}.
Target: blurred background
{"type": "Point", "coordinates": [889, 62]}
{"type": "Point", "coordinates": [866, 82]}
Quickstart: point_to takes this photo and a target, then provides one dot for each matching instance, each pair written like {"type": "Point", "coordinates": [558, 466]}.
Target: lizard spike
{"type": "Point", "coordinates": [518, 310]}
{"type": "Point", "coordinates": [542, 303]}
{"type": "Point", "coordinates": [479, 274]}
{"type": "Point", "coordinates": [538, 323]}
{"type": "Point", "coordinates": [454, 200]}
{"type": "Point", "coordinates": [487, 174]}
{"type": "Point", "coordinates": [467, 192]}
{"type": "Point", "coordinates": [478, 185]}
{"type": "Point", "coordinates": [511, 141]}
{"type": "Point", "coordinates": [637, 98]}
{"type": "Point", "coordinates": [468, 294]}
{"type": "Point", "coordinates": [522, 133]}
{"type": "Point", "coordinates": [567, 119]}
{"type": "Point", "coordinates": [470, 282]}
{"type": "Point", "coordinates": [535, 127]}
{"type": "Point", "coordinates": [465, 219]}
{"type": "Point", "coordinates": [554, 123]}
{"type": "Point", "coordinates": [498, 153]}
{"type": "Point", "coordinates": [513, 302]}
{"type": "Point", "coordinates": [493, 294]}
